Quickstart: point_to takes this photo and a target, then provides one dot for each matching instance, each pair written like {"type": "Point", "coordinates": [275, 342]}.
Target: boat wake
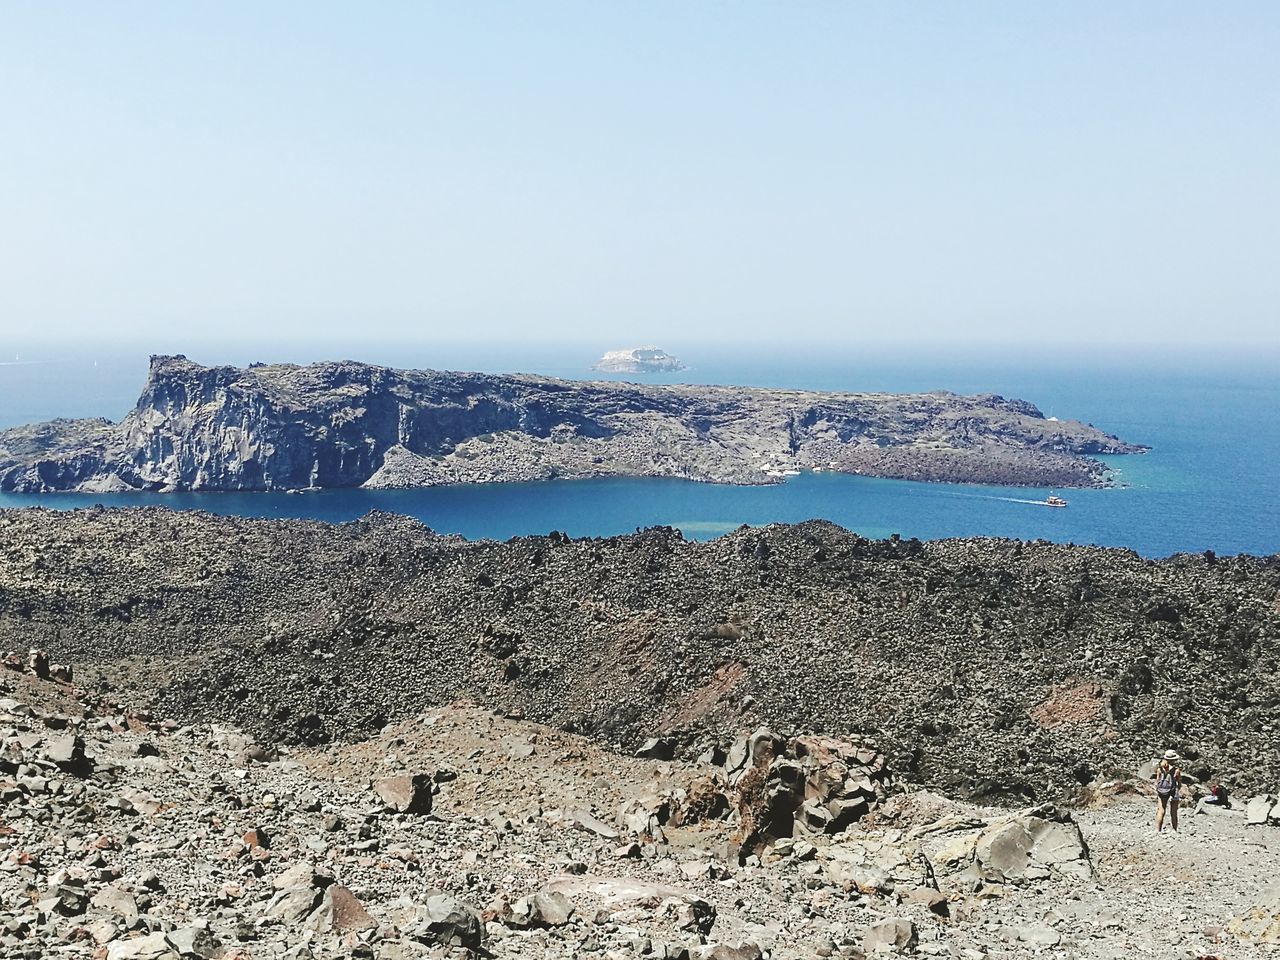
{"type": "Point", "coordinates": [988, 496]}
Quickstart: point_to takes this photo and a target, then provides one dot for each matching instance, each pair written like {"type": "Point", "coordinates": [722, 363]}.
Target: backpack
{"type": "Point", "coordinates": [1166, 783]}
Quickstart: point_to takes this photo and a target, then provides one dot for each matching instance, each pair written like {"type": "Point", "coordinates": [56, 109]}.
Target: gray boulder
{"type": "Point", "coordinates": [195, 943]}
{"type": "Point", "coordinates": [154, 946]}
{"type": "Point", "coordinates": [67, 751]}
{"type": "Point", "coordinates": [117, 901]}
{"type": "Point", "coordinates": [546, 908]}
{"type": "Point", "coordinates": [447, 922]}
{"type": "Point", "coordinates": [1039, 935]}
{"type": "Point", "coordinates": [1258, 809]}
{"type": "Point", "coordinates": [894, 935]}
{"type": "Point", "coordinates": [1031, 844]}
{"type": "Point", "coordinates": [294, 904]}
{"type": "Point", "coordinates": [407, 793]}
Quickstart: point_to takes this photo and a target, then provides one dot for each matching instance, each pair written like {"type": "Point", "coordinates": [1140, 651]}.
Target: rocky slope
{"type": "Point", "coordinates": [459, 834]}
{"type": "Point", "coordinates": [285, 427]}
{"type": "Point", "coordinates": [991, 669]}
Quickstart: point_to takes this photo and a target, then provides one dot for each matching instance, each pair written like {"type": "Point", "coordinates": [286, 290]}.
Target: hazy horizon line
{"type": "Point", "coordinates": [201, 339]}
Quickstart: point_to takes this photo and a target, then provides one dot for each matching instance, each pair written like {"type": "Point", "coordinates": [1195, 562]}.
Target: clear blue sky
{"type": "Point", "coordinates": [901, 171]}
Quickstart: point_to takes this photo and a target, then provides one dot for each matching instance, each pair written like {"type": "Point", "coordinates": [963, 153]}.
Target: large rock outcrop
{"type": "Point", "coordinates": [285, 427]}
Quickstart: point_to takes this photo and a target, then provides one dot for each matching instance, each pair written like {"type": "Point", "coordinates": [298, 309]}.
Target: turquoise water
{"type": "Point", "coordinates": [1209, 482]}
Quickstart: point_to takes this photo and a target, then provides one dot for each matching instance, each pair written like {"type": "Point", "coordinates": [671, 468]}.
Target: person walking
{"type": "Point", "coordinates": [1168, 783]}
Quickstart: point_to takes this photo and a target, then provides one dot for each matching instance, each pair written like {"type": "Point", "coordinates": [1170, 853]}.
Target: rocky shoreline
{"type": "Point", "coordinates": [284, 427]}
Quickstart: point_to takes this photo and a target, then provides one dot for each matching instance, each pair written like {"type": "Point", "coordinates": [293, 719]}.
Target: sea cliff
{"type": "Point", "coordinates": [346, 424]}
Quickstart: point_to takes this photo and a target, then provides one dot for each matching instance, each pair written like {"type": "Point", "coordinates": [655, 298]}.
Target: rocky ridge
{"type": "Point", "coordinates": [997, 670]}
{"type": "Point", "coordinates": [285, 427]}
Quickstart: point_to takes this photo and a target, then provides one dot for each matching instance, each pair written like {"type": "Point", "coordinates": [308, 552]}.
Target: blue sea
{"type": "Point", "coordinates": [1211, 418]}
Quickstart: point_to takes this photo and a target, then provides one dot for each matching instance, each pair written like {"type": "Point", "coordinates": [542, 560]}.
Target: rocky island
{"type": "Point", "coordinates": [345, 424]}
{"type": "Point", "coordinates": [638, 360]}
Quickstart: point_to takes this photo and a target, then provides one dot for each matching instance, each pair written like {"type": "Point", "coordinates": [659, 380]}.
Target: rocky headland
{"type": "Point", "coordinates": [285, 427]}
{"type": "Point", "coordinates": [250, 739]}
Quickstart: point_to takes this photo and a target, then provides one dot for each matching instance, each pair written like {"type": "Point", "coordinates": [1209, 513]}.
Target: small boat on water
{"type": "Point", "coordinates": [1052, 501]}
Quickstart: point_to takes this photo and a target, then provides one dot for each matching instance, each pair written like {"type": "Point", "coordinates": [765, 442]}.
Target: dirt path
{"type": "Point", "coordinates": [1168, 895]}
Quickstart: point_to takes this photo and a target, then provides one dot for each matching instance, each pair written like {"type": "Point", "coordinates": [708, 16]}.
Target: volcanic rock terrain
{"type": "Point", "coordinates": [458, 833]}
{"type": "Point", "coordinates": [989, 669]}
{"type": "Point", "coordinates": [284, 427]}
{"type": "Point", "coordinates": [294, 740]}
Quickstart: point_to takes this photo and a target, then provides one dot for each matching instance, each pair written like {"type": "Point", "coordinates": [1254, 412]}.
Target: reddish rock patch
{"type": "Point", "coordinates": [698, 703]}
{"type": "Point", "coordinates": [1080, 703]}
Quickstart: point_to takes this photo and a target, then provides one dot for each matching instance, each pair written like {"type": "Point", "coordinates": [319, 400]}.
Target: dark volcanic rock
{"type": "Point", "coordinates": [284, 427]}
{"type": "Point", "coordinates": [1007, 670]}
